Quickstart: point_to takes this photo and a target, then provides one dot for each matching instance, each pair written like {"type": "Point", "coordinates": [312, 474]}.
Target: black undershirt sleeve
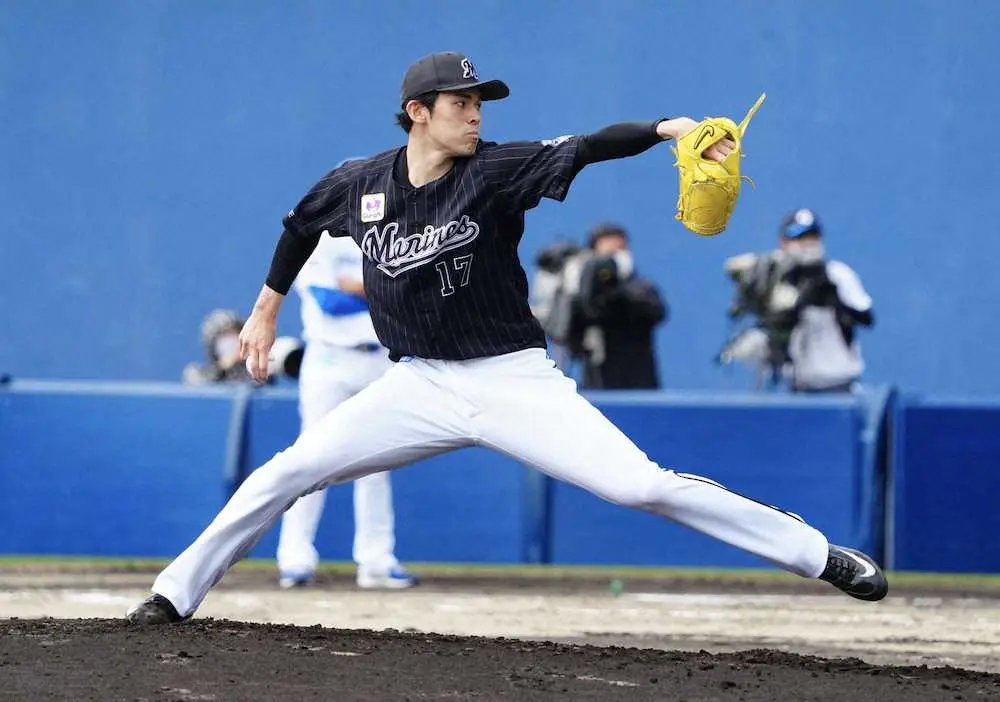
{"type": "Point", "coordinates": [290, 255]}
{"type": "Point", "coordinates": [616, 141]}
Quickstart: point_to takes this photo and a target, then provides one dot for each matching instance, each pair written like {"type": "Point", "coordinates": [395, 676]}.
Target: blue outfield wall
{"type": "Point", "coordinates": [109, 469]}
{"type": "Point", "coordinates": [140, 469]}
{"type": "Point", "coordinates": [945, 484]}
{"type": "Point", "coordinates": [122, 469]}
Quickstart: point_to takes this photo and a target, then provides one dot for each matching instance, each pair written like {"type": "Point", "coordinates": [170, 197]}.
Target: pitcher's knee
{"type": "Point", "coordinates": [298, 470]}
{"type": "Point", "coordinates": [644, 494]}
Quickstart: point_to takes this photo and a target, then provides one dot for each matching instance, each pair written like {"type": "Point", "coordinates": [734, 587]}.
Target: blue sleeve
{"type": "Point", "coordinates": [337, 303]}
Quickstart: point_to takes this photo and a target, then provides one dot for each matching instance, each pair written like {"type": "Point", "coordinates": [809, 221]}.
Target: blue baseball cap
{"type": "Point", "coordinates": [799, 223]}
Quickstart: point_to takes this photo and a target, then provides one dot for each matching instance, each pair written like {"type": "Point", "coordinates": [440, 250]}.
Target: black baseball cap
{"type": "Point", "coordinates": [448, 71]}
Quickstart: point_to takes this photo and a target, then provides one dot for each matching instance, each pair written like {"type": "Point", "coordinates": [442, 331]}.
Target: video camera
{"type": "Point", "coordinates": [773, 288]}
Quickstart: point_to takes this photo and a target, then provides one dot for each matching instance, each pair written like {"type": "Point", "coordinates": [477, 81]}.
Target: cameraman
{"type": "Point", "coordinates": [823, 353]}
{"type": "Point", "coordinates": [554, 291]}
{"type": "Point", "coordinates": [220, 331]}
{"type": "Point", "coordinates": [807, 308]}
{"type": "Point", "coordinates": [617, 311]}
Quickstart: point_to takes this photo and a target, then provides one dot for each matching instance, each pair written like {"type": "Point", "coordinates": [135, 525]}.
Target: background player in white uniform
{"type": "Point", "coordinates": [439, 221]}
{"type": "Point", "coordinates": [342, 357]}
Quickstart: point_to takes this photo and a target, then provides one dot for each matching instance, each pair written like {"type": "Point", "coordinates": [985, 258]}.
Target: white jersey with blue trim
{"type": "Point", "coordinates": [330, 314]}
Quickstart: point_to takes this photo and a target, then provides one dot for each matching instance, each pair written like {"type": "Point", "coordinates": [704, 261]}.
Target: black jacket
{"type": "Point", "coordinates": [626, 312]}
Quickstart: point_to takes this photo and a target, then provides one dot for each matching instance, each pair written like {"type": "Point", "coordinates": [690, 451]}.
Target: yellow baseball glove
{"type": "Point", "coordinates": [709, 189]}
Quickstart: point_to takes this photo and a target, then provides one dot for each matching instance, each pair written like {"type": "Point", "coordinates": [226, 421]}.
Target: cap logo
{"type": "Point", "coordinates": [468, 70]}
{"type": "Point", "coordinates": [805, 217]}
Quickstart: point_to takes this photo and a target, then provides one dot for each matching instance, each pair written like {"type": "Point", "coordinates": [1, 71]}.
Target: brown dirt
{"type": "Point", "coordinates": [207, 659]}
{"type": "Point", "coordinates": [219, 659]}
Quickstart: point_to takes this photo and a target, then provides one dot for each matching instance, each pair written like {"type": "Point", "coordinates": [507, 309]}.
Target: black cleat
{"type": "Point", "coordinates": [155, 609]}
{"type": "Point", "coordinates": [855, 573]}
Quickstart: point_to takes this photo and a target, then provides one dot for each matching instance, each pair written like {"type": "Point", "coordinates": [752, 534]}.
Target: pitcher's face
{"type": "Point", "coordinates": [454, 123]}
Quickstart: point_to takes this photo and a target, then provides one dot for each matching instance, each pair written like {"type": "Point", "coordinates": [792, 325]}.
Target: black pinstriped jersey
{"type": "Point", "coordinates": [441, 270]}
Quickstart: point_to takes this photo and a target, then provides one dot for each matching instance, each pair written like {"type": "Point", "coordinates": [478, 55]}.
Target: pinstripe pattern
{"type": "Point", "coordinates": [441, 272]}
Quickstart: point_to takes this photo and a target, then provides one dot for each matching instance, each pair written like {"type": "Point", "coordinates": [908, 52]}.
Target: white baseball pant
{"type": "Point", "coordinates": [519, 404]}
{"type": "Point", "coordinates": [329, 376]}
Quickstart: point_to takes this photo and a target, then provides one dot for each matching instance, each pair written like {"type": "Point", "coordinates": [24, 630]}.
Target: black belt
{"type": "Point", "coordinates": [367, 348]}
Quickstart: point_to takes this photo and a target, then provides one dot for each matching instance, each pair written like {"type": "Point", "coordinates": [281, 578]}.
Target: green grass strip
{"type": "Point", "coordinates": [494, 571]}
